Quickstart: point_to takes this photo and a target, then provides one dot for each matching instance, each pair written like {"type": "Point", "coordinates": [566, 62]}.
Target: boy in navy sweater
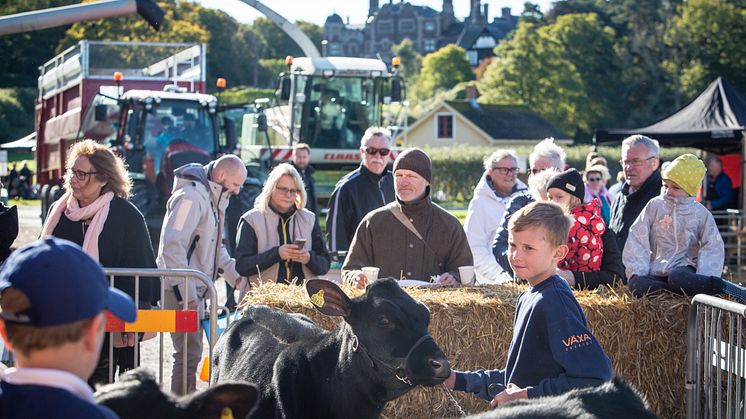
{"type": "Point", "coordinates": [552, 350]}
{"type": "Point", "coordinates": [52, 302]}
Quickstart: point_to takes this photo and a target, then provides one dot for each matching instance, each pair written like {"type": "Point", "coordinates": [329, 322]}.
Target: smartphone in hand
{"type": "Point", "coordinates": [299, 243]}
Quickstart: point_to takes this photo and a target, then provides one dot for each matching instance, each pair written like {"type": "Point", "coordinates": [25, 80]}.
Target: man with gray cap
{"type": "Point", "coordinates": [411, 237]}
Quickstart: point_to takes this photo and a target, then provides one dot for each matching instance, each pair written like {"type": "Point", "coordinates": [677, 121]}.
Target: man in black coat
{"type": "Point", "coordinates": [359, 192]}
{"type": "Point", "coordinates": [642, 182]}
{"type": "Point", "coordinates": [301, 162]}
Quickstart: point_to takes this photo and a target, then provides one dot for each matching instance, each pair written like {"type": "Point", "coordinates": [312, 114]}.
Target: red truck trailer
{"type": "Point", "coordinates": [154, 113]}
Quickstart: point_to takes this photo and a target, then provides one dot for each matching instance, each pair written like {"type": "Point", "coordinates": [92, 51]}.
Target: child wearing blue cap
{"type": "Point", "coordinates": [52, 302]}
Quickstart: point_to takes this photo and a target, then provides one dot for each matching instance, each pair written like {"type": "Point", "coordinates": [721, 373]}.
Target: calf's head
{"type": "Point", "coordinates": [389, 329]}
{"type": "Point", "coordinates": [137, 395]}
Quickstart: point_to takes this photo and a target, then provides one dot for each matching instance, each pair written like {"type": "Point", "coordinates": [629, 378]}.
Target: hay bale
{"type": "Point", "coordinates": [645, 338]}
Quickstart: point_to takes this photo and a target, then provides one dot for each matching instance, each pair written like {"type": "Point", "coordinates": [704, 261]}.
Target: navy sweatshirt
{"type": "Point", "coordinates": [552, 350]}
{"type": "Point", "coordinates": [36, 401]}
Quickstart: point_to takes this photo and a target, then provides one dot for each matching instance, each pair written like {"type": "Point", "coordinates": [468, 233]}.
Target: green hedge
{"type": "Point", "coordinates": [457, 169]}
{"type": "Point", "coordinates": [244, 94]}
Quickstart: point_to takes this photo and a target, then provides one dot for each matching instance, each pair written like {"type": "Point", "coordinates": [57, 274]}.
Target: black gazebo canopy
{"type": "Point", "coordinates": [714, 121]}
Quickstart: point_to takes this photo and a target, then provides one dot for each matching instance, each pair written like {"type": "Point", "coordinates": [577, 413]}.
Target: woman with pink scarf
{"type": "Point", "coordinates": [94, 213]}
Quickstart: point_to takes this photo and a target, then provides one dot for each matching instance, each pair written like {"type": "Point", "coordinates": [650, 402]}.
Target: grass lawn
{"type": "Point", "coordinates": [24, 202]}
{"type": "Point", "coordinates": [459, 213]}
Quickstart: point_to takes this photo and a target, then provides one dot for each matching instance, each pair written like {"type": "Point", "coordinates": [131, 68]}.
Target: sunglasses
{"type": "Point", "coordinates": [383, 152]}
{"type": "Point", "coordinates": [594, 179]}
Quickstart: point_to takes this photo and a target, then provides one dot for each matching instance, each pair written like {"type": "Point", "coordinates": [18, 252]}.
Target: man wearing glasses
{"type": "Point", "coordinates": [364, 189]}
{"type": "Point", "coordinates": [546, 155]}
{"type": "Point", "coordinates": [642, 182]}
{"type": "Point", "coordinates": [493, 192]}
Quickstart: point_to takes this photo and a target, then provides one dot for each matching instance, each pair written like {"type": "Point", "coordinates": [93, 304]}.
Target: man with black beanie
{"type": "Point", "coordinates": [411, 237]}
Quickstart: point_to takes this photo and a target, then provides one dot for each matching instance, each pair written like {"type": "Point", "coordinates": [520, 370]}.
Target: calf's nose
{"type": "Point", "coordinates": [439, 366]}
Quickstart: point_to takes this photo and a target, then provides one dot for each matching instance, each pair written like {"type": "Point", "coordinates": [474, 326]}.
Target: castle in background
{"type": "Point", "coordinates": [428, 29]}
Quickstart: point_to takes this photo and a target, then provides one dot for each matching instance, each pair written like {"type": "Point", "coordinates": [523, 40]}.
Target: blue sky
{"type": "Point", "coordinates": [316, 11]}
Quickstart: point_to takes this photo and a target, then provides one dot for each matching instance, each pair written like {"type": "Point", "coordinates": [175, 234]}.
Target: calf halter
{"type": "Point", "coordinates": [400, 370]}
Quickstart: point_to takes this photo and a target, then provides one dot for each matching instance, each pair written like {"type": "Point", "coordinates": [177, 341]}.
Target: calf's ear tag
{"type": "Point", "coordinates": [318, 299]}
{"type": "Point", "coordinates": [227, 413]}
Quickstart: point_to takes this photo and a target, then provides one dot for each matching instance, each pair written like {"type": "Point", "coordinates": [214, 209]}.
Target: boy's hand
{"type": "Point", "coordinates": [360, 281]}
{"type": "Point", "coordinates": [450, 382]}
{"type": "Point", "coordinates": [512, 392]}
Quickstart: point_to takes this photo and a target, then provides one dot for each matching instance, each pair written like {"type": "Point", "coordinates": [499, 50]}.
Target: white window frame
{"type": "Point", "coordinates": [453, 126]}
{"type": "Point", "coordinates": [485, 41]}
{"type": "Point", "coordinates": [412, 25]}
{"type": "Point", "coordinates": [473, 57]}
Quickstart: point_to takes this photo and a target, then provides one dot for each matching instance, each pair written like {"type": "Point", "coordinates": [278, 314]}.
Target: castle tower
{"type": "Point", "coordinates": [372, 8]}
{"type": "Point", "coordinates": [447, 16]}
{"type": "Point", "coordinates": [475, 15]}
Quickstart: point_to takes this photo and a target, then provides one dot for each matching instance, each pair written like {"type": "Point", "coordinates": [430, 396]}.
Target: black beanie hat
{"type": "Point", "coordinates": [415, 160]}
{"type": "Point", "coordinates": [570, 181]}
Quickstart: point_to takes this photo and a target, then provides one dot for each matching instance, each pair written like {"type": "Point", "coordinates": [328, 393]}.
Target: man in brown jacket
{"type": "Point", "coordinates": [411, 237]}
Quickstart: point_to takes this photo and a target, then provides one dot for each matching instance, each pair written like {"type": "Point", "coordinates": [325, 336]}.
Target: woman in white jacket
{"type": "Point", "coordinates": [674, 244]}
{"type": "Point", "coordinates": [496, 187]}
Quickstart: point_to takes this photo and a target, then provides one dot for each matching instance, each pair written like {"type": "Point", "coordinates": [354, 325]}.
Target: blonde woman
{"type": "Point", "coordinates": [279, 240]}
{"type": "Point", "coordinates": [95, 214]}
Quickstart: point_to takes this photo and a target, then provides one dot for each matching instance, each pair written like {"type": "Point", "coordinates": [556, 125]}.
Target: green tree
{"type": "Point", "coordinates": [532, 13]}
{"type": "Point", "coordinates": [443, 70]}
{"type": "Point", "coordinates": [228, 55]}
{"type": "Point", "coordinates": [181, 24]}
{"type": "Point", "coordinates": [411, 60]}
{"type": "Point", "coordinates": [568, 72]}
{"type": "Point", "coordinates": [313, 31]}
{"type": "Point", "coordinates": [268, 42]}
{"type": "Point", "coordinates": [707, 37]}
{"type": "Point", "coordinates": [275, 43]}
{"type": "Point", "coordinates": [21, 54]}
{"type": "Point", "coordinates": [640, 26]}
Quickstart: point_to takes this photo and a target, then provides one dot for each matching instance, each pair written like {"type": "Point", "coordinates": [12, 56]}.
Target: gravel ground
{"type": "Point", "coordinates": [29, 224]}
{"type": "Point", "coordinates": [29, 230]}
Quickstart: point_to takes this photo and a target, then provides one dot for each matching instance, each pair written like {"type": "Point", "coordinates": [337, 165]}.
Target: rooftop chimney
{"type": "Point", "coordinates": [471, 92]}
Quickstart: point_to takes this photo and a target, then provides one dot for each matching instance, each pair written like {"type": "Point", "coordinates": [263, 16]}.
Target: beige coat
{"type": "Point", "coordinates": [265, 224]}
{"type": "Point", "coordinates": [192, 232]}
{"type": "Point", "coordinates": [382, 241]}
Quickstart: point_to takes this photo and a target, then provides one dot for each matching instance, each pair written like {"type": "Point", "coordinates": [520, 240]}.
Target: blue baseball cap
{"type": "Point", "coordinates": [62, 283]}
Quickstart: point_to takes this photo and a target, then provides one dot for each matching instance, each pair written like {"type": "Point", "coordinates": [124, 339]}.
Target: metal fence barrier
{"type": "Point", "coordinates": [189, 318]}
{"type": "Point", "coordinates": [731, 226]}
{"type": "Point", "coordinates": [715, 359]}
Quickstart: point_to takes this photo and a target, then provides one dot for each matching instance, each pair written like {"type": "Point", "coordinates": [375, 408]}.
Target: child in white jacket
{"type": "Point", "coordinates": [674, 244]}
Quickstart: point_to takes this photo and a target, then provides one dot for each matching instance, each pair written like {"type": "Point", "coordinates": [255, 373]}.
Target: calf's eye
{"type": "Point", "coordinates": [383, 322]}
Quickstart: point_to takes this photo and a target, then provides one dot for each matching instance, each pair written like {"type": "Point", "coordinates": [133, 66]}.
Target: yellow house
{"type": "Point", "coordinates": [474, 124]}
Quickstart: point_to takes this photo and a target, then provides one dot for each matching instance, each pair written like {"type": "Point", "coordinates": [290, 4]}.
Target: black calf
{"type": "Point", "coordinates": [381, 351]}
{"type": "Point", "coordinates": [613, 400]}
{"type": "Point", "coordinates": [137, 396]}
